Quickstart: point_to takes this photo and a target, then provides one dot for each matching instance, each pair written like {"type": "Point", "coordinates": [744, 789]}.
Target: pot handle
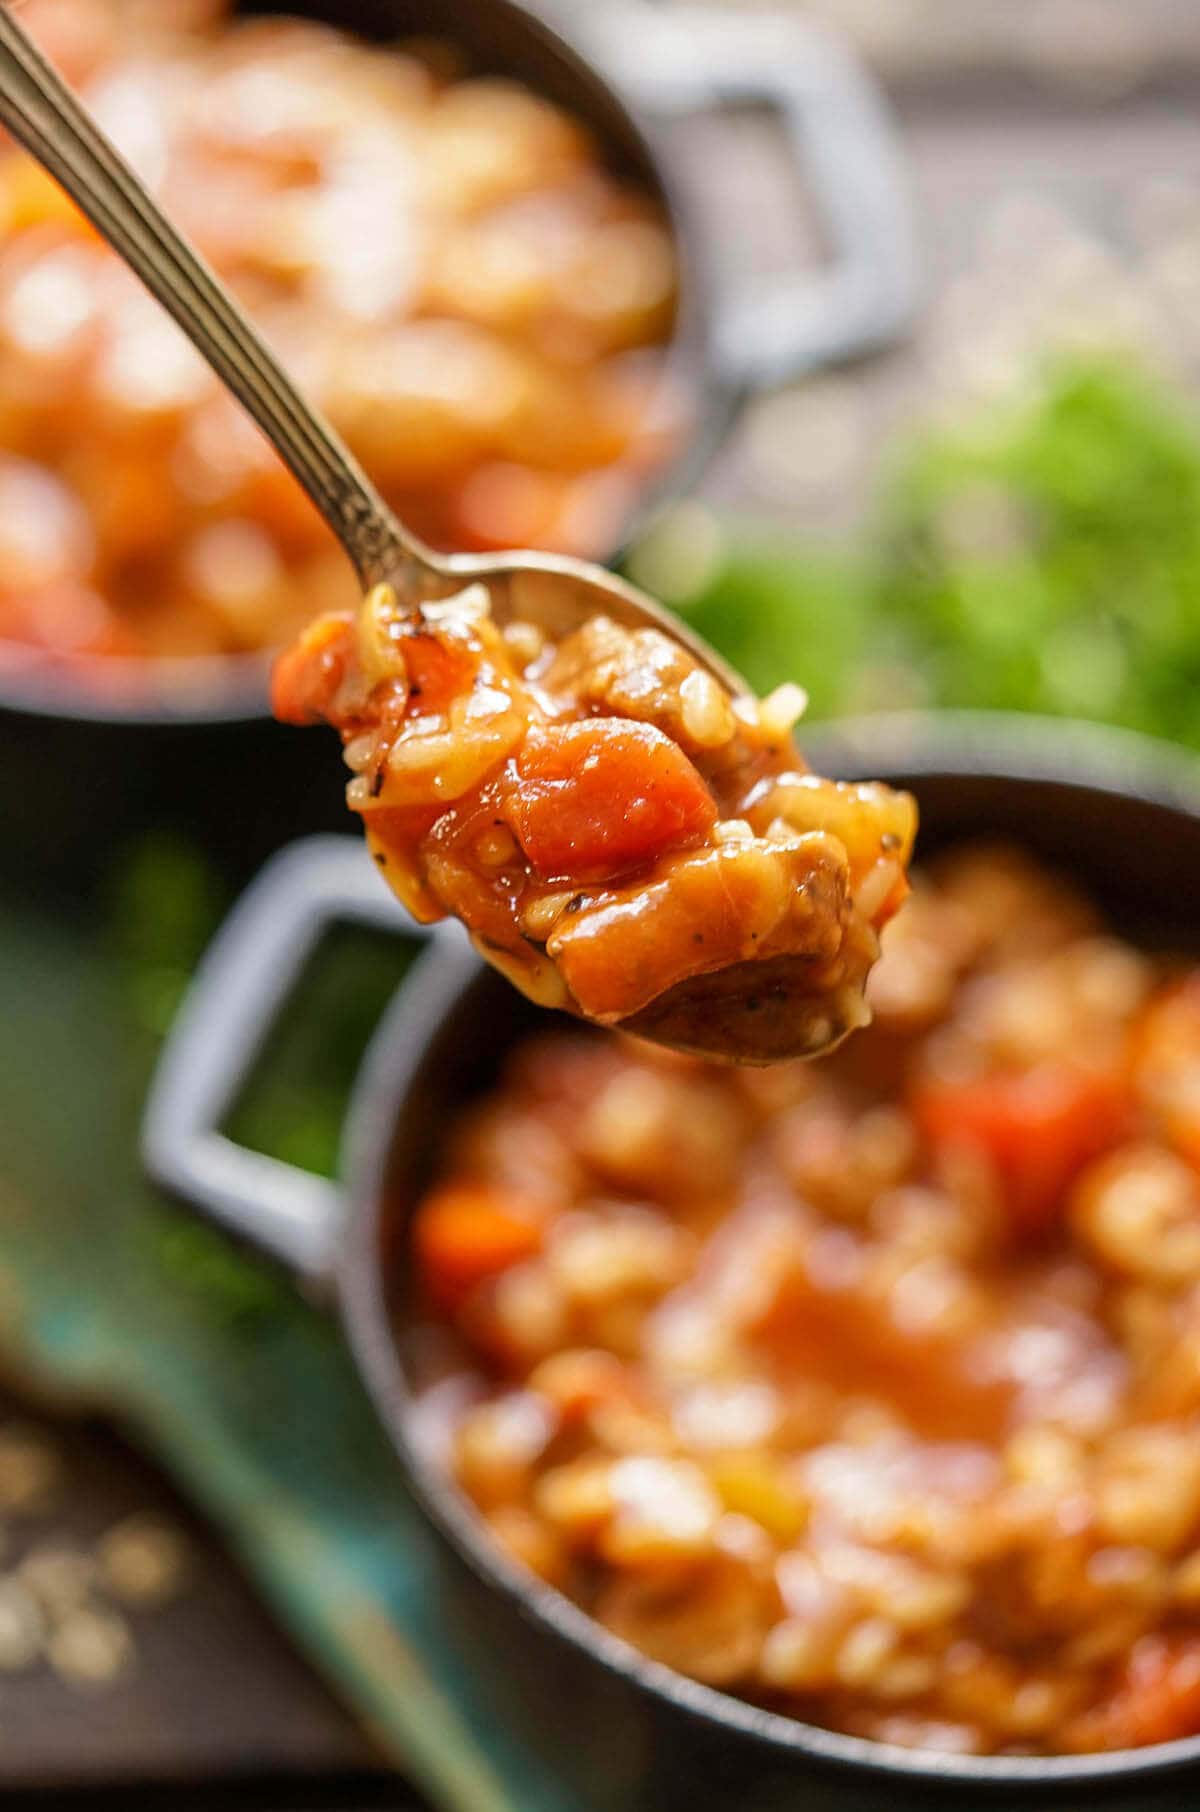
{"type": "Point", "coordinates": [247, 975]}
{"type": "Point", "coordinates": [681, 59]}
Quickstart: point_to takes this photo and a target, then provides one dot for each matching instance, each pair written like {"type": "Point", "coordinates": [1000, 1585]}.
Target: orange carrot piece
{"type": "Point", "coordinates": [466, 1233]}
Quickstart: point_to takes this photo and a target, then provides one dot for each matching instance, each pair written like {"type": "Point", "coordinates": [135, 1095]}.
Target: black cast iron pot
{"type": "Point", "coordinates": [80, 768]}
{"type": "Point", "coordinates": [1120, 814]}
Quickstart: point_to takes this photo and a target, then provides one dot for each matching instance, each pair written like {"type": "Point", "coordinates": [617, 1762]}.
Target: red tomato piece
{"type": "Point", "coordinates": [307, 675]}
{"type": "Point", "coordinates": [604, 796]}
{"type": "Point", "coordinates": [466, 1233]}
{"type": "Point", "coordinates": [1037, 1127]}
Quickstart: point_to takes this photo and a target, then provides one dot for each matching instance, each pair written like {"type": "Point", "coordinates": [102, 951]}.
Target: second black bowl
{"type": "Point", "coordinates": [1119, 814]}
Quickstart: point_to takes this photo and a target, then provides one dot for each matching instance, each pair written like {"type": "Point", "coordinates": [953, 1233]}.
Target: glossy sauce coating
{"type": "Point", "coordinates": [620, 836]}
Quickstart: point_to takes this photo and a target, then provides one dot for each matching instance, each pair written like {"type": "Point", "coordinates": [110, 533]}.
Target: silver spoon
{"type": "Point", "coordinates": [752, 1012]}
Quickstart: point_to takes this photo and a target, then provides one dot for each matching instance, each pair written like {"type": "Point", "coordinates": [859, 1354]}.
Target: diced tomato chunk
{"type": "Point", "coordinates": [466, 1233]}
{"type": "Point", "coordinates": [604, 796]}
{"type": "Point", "coordinates": [1037, 1127]}
{"type": "Point", "coordinates": [307, 675]}
{"type": "Point", "coordinates": [1156, 1700]}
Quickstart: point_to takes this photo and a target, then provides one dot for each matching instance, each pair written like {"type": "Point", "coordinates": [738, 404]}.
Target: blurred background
{"type": "Point", "coordinates": [1000, 508]}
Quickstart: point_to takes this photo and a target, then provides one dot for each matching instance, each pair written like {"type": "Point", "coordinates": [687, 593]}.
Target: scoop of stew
{"type": "Point", "coordinates": [621, 836]}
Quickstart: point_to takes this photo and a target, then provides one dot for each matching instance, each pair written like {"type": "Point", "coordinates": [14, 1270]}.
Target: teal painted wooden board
{"type": "Point", "coordinates": [244, 1390]}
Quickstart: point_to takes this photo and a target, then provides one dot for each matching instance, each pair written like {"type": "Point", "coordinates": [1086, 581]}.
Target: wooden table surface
{"type": "Point", "coordinates": [215, 1706]}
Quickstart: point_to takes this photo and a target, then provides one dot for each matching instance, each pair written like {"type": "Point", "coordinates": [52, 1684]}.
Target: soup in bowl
{"type": "Point", "coordinates": [869, 1388]}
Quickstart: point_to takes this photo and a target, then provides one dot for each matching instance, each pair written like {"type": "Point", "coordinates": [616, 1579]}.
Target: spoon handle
{"type": "Point", "coordinates": [41, 112]}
